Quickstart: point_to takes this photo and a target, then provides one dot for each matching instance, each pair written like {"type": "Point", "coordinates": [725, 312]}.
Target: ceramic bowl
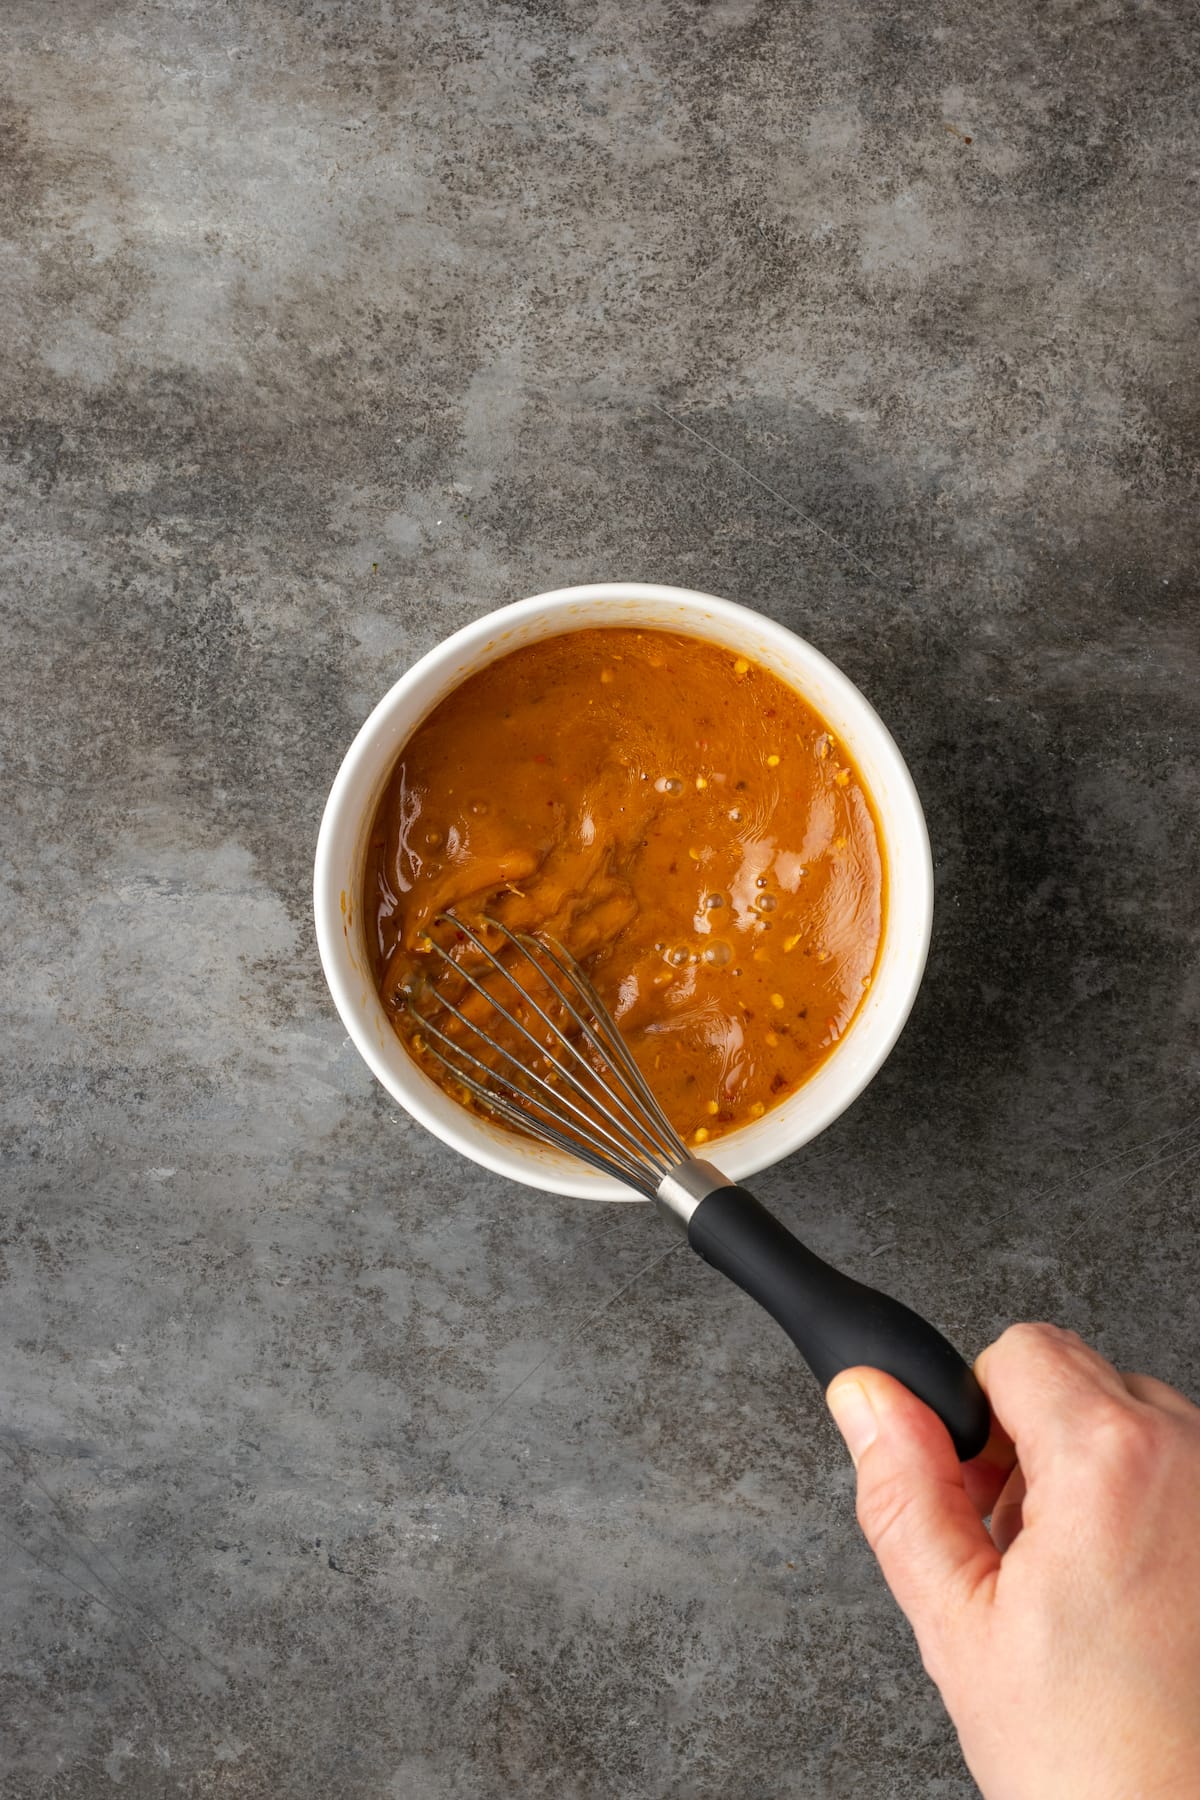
{"type": "Point", "coordinates": [356, 792]}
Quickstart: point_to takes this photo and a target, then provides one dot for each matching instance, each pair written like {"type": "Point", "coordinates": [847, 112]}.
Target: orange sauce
{"type": "Point", "coordinates": [680, 820]}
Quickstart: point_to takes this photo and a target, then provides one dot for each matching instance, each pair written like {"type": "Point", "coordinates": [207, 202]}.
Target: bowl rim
{"type": "Point", "coordinates": [379, 736]}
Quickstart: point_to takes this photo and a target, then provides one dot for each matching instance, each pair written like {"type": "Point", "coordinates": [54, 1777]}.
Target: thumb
{"type": "Point", "coordinates": [932, 1546]}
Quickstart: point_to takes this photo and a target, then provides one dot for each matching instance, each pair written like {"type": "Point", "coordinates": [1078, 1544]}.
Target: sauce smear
{"type": "Point", "coordinates": [675, 816]}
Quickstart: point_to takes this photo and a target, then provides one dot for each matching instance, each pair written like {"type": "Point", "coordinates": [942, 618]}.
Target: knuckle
{"type": "Point", "coordinates": [1065, 1338]}
{"type": "Point", "coordinates": [1035, 1334]}
{"type": "Point", "coordinates": [1017, 1339]}
{"type": "Point", "coordinates": [1160, 1395]}
{"type": "Point", "coordinates": [1122, 1438]}
{"type": "Point", "coordinates": [1033, 1343]}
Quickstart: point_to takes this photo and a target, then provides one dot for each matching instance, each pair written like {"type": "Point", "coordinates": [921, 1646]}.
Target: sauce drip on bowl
{"type": "Point", "coordinates": [673, 814]}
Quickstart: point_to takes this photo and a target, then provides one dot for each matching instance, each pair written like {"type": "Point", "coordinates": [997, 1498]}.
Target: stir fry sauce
{"type": "Point", "coordinates": [677, 818]}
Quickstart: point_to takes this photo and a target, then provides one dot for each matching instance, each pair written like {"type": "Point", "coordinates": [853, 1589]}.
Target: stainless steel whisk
{"type": "Point", "coordinates": [594, 1103]}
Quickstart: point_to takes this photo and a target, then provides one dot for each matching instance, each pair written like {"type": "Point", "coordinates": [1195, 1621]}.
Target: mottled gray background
{"type": "Point", "coordinates": [326, 329]}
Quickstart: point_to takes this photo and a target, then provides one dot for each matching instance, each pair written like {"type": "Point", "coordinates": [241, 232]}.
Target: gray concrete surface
{"type": "Point", "coordinates": [326, 329]}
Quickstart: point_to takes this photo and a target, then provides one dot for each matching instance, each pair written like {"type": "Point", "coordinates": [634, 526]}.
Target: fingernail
{"type": "Point", "coordinates": [853, 1415]}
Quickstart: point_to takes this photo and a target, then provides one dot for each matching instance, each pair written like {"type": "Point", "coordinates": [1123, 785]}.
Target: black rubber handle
{"type": "Point", "coordinates": [834, 1322]}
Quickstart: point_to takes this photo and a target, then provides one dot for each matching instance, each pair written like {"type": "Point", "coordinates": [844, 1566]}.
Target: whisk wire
{"type": "Point", "coordinates": [518, 1115]}
{"type": "Point", "coordinates": [631, 1120]}
{"type": "Point", "coordinates": [604, 1038]}
{"type": "Point", "coordinates": [550, 1100]}
{"type": "Point", "coordinates": [619, 1128]}
{"type": "Point", "coordinates": [627, 1071]}
{"type": "Point", "coordinates": [584, 1121]}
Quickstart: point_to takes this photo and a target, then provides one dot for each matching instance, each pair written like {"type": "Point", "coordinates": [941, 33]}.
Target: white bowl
{"type": "Point", "coordinates": [356, 792]}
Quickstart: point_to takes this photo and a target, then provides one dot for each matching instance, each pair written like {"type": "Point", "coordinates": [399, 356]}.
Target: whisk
{"type": "Point", "coordinates": [575, 1085]}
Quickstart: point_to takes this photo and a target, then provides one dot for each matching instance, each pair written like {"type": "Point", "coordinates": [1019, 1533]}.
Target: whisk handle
{"type": "Point", "coordinates": [834, 1322]}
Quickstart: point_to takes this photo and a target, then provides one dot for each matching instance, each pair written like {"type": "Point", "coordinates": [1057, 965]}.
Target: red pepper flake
{"type": "Point", "coordinates": [541, 757]}
{"type": "Point", "coordinates": [770, 713]}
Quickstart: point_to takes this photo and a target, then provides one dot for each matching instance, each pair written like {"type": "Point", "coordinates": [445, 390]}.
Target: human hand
{"type": "Point", "coordinates": [1066, 1644]}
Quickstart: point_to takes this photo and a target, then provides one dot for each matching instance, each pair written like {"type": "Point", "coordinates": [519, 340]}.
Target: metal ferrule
{"type": "Point", "coordinates": [683, 1188]}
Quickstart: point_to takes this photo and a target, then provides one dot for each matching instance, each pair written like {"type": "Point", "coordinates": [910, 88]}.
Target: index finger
{"type": "Point", "coordinates": [1045, 1386]}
